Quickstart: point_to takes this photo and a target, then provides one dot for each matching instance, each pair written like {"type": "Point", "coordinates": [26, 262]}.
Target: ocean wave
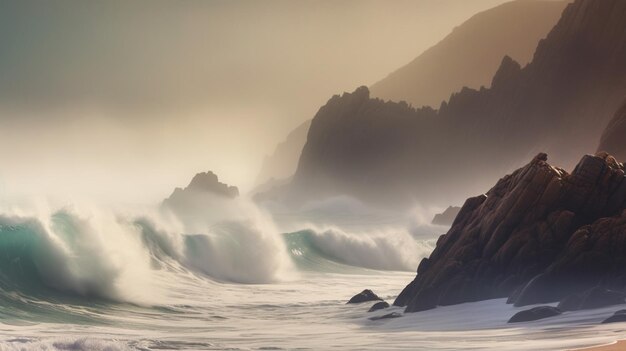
{"type": "Point", "coordinates": [71, 254]}
{"type": "Point", "coordinates": [383, 250]}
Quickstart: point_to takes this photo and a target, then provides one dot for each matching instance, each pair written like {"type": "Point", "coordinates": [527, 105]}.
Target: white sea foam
{"type": "Point", "coordinates": [393, 249]}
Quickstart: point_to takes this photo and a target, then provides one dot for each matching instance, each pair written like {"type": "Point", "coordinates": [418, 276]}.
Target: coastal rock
{"type": "Point", "coordinates": [619, 316]}
{"type": "Point", "coordinates": [446, 217]}
{"type": "Point", "coordinates": [534, 314]}
{"type": "Point", "coordinates": [379, 306]}
{"type": "Point", "coordinates": [539, 233]}
{"type": "Point", "coordinates": [570, 302]}
{"type": "Point", "coordinates": [364, 296]}
{"type": "Point", "coordinates": [386, 316]}
{"type": "Point", "coordinates": [203, 186]}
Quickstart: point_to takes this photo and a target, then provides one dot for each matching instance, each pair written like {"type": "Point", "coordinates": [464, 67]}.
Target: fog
{"type": "Point", "coordinates": [126, 100]}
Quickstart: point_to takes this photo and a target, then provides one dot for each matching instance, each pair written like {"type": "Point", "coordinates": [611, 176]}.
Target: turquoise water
{"type": "Point", "coordinates": [97, 281]}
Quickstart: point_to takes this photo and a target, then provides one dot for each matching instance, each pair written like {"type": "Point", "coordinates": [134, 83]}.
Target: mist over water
{"type": "Point", "coordinates": [123, 278]}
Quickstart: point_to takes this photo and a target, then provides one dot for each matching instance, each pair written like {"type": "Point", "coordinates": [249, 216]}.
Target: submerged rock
{"type": "Point", "coordinates": [534, 314]}
{"type": "Point", "coordinates": [386, 316]}
{"type": "Point", "coordinates": [570, 302]}
{"type": "Point", "coordinates": [364, 296]}
{"type": "Point", "coordinates": [619, 316]}
{"type": "Point", "coordinates": [379, 306]}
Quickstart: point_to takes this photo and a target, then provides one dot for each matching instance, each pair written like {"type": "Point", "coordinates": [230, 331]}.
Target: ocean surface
{"type": "Point", "coordinates": [77, 279]}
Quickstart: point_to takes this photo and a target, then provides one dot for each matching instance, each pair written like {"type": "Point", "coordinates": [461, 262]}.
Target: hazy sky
{"type": "Point", "coordinates": [131, 98]}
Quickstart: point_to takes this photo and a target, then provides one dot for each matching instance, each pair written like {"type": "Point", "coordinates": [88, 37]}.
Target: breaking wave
{"type": "Point", "coordinates": [390, 250]}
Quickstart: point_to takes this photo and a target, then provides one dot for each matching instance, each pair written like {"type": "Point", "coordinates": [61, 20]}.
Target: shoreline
{"type": "Point", "coordinates": [619, 345]}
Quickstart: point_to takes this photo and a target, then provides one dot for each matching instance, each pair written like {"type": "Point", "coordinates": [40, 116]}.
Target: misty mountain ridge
{"type": "Point", "coordinates": [282, 163]}
{"type": "Point", "coordinates": [559, 103]}
{"type": "Point", "coordinates": [471, 53]}
{"type": "Point", "coordinates": [468, 56]}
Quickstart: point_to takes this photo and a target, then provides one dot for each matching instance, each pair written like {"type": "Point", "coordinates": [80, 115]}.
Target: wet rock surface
{"type": "Point", "coordinates": [538, 235]}
{"type": "Point", "coordinates": [364, 296]}
{"type": "Point", "coordinates": [534, 314]}
{"type": "Point", "coordinates": [379, 306]}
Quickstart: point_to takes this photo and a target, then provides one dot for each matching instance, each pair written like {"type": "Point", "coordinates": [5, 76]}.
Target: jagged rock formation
{"type": "Point", "coordinates": [363, 131]}
{"type": "Point", "coordinates": [513, 28]}
{"type": "Point", "coordinates": [538, 235]}
{"type": "Point", "coordinates": [283, 162]}
{"type": "Point", "coordinates": [203, 186]}
{"type": "Point", "coordinates": [614, 137]}
{"type": "Point", "coordinates": [446, 217]}
{"type": "Point", "coordinates": [390, 153]}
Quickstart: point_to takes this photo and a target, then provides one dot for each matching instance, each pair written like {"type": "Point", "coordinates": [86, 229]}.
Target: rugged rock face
{"type": "Point", "coordinates": [513, 28]}
{"type": "Point", "coordinates": [539, 234]}
{"type": "Point", "coordinates": [446, 217]}
{"type": "Point", "coordinates": [614, 137]}
{"type": "Point", "coordinates": [202, 185]}
{"type": "Point", "coordinates": [349, 135]}
{"type": "Point", "coordinates": [559, 103]}
{"type": "Point", "coordinates": [378, 306]}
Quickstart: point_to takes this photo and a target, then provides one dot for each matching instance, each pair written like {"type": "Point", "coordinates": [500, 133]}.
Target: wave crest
{"type": "Point", "coordinates": [389, 250]}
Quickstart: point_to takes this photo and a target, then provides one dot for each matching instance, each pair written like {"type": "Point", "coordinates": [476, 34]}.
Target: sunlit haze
{"type": "Point", "coordinates": [124, 100]}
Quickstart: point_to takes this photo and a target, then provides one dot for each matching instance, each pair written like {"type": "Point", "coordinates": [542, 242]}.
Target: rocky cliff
{"type": "Point", "coordinates": [349, 145]}
{"type": "Point", "coordinates": [513, 28]}
{"type": "Point", "coordinates": [614, 136]}
{"type": "Point", "coordinates": [560, 102]}
{"type": "Point", "coordinates": [538, 235]}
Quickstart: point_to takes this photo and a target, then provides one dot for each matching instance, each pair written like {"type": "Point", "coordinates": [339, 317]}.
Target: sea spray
{"type": "Point", "coordinates": [91, 255]}
{"type": "Point", "coordinates": [230, 240]}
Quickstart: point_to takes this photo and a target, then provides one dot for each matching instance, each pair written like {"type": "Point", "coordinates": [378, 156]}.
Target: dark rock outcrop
{"type": "Point", "coordinates": [364, 296]}
{"type": "Point", "coordinates": [446, 217]}
{"type": "Point", "coordinates": [203, 186]}
{"type": "Point", "coordinates": [378, 306]}
{"type": "Point", "coordinates": [619, 316]}
{"type": "Point", "coordinates": [614, 137]}
{"type": "Point", "coordinates": [534, 314]}
{"type": "Point", "coordinates": [539, 233]}
{"type": "Point", "coordinates": [392, 154]}
{"type": "Point", "coordinates": [386, 316]}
